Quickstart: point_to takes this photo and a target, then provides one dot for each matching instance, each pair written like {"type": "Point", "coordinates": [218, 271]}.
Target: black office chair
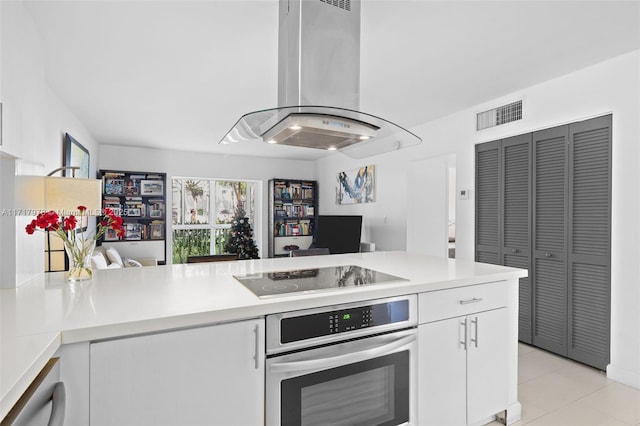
{"type": "Point", "coordinates": [309, 252]}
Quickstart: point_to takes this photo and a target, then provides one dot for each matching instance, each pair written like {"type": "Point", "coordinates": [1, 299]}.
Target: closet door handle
{"type": "Point", "coordinates": [514, 250]}
{"type": "Point", "coordinates": [548, 255]}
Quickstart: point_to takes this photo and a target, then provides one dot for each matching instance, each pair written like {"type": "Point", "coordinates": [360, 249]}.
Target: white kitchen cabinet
{"type": "Point", "coordinates": [211, 375]}
{"type": "Point", "coordinates": [463, 360]}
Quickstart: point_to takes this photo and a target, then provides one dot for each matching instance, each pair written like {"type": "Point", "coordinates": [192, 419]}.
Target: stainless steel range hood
{"type": "Point", "coordinates": [319, 86]}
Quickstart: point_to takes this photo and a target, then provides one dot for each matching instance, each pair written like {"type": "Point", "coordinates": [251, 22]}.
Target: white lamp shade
{"type": "Point", "coordinates": [64, 195]}
{"type": "Point", "coordinates": [60, 194]}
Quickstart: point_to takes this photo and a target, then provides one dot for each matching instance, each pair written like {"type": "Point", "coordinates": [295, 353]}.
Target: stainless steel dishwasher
{"type": "Point", "coordinates": [44, 401]}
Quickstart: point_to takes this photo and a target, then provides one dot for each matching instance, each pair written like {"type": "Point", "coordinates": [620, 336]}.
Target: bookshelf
{"type": "Point", "coordinates": [139, 197]}
{"type": "Point", "coordinates": [293, 207]}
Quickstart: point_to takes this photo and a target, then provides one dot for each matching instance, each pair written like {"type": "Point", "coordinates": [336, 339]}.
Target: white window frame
{"type": "Point", "coordinates": [212, 225]}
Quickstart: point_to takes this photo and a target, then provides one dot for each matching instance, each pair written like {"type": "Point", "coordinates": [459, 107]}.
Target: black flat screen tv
{"type": "Point", "coordinates": [340, 234]}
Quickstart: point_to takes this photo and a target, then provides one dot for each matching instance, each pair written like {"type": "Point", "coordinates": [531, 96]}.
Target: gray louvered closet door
{"type": "Point", "coordinates": [589, 260]}
{"type": "Point", "coordinates": [516, 232]}
{"type": "Point", "coordinates": [503, 196]}
{"type": "Point", "coordinates": [549, 194]}
{"type": "Point", "coordinates": [488, 203]}
{"type": "Point", "coordinates": [548, 271]}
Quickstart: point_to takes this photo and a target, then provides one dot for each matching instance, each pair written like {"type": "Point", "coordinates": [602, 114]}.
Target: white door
{"type": "Point", "coordinates": [428, 206]}
{"type": "Point", "coordinates": [442, 373]}
{"type": "Point", "coordinates": [487, 360]}
{"type": "Point", "coordinates": [200, 376]}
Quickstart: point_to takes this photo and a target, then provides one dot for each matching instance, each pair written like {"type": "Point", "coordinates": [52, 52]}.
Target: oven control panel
{"type": "Point", "coordinates": [303, 327]}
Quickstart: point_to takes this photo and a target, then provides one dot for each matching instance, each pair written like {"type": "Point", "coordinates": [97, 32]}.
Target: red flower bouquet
{"type": "Point", "coordinates": [78, 245]}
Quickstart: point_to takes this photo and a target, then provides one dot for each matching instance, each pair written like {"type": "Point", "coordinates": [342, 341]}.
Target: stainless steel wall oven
{"type": "Point", "coordinates": [350, 364]}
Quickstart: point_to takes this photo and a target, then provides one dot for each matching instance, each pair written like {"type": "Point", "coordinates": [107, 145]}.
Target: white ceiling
{"type": "Point", "coordinates": [179, 74]}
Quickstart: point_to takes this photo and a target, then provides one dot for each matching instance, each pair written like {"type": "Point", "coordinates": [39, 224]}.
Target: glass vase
{"type": "Point", "coordinates": [79, 254]}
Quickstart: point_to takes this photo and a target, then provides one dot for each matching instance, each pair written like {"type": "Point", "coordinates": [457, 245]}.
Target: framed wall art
{"type": "Point", "coordinates": [75, 155]}
{"type": "Point", "coordinates": [356, 186]}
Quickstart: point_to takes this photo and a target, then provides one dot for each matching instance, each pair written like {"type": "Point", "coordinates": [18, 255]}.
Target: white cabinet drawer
{"type": "Point", "coordinates": [442, 304]}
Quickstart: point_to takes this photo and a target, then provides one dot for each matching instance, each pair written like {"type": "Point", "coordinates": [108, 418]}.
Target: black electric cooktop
{"type": "Point", "coordinates": [270, 284]}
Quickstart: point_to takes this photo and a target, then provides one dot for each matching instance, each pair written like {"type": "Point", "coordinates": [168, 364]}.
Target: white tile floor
{"type": "Point", "coordinates": [555, 391]}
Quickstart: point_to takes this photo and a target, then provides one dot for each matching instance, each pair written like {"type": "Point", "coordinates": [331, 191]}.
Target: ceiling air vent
{"type": "Point", "coordinates": [342, 4]}
{"type": "Point", "coordinates": [501, 115]}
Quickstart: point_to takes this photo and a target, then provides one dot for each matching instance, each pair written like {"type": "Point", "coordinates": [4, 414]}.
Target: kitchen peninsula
{"type": "Point", "coordinates": [48, 316]}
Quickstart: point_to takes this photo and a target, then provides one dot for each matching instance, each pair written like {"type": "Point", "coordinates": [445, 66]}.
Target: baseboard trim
{"type": "Point", "coordinates": [627, 377]}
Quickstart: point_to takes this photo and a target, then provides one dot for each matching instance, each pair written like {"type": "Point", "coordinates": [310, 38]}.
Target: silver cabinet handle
{"type": "Point", "coordinates": [464, 342]}
{"type": "Point", "coordinates": [514, 250]}
{"type": "Point", "coordinates": [58, 405]}
{"type": "Point", "coordinates": [548, 255]}
{"type": "Point", "coordinates": [256, 357]}
{"type": "Point", "coordinates": [335, 361]}
{"type": "Point", "coordinates": [474, 300]}
{"type": "Point", "coordinates": [475, 339]}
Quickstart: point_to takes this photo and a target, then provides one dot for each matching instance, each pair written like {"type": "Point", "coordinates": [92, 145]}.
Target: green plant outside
{"type": "Point", "coordinates": [196, 242]}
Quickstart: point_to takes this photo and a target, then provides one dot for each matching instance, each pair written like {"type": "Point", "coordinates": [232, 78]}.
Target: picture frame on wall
{"type": "Point", "coordinates": [75, 154]}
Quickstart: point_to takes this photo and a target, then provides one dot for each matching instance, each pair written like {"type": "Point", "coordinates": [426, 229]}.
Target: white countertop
{"type": "Point", "coordinates": [48, 311]}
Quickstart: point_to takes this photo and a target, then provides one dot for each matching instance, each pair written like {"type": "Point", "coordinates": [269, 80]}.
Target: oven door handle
{"type": "Point", "coordinates": [335, 361]}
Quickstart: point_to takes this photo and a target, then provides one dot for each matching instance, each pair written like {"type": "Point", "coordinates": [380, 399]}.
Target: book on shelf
{"type": "Point", "coordinates": [116, 175]}
{"type": "Point", "coordinates": [305, 227]}
{"type": "Point", "coordinates": [296, 190]}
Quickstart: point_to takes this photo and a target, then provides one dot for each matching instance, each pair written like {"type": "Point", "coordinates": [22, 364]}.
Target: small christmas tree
{"type": "Point", "coordinates": [240, 239]}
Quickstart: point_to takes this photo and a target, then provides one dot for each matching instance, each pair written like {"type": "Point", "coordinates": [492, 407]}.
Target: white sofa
{"type": "Point", "coordinates": [110, 258]}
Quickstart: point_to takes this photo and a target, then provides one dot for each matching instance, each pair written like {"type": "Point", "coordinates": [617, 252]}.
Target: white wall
{"type": "Point", "coordinates": [34, 123]}
{"type": "Point", "coordinates": [189, 164]}
{"type": "Point", "coordinates": [609, 87]}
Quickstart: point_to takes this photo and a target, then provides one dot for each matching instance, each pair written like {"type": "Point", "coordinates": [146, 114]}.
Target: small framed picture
{"type": "Point", "coordinates": [133, 231]}
{"type": "Point", "coordinates": [156, 231]}
{"type": "Point", "coordinates": [111, 235]}
{"type": "Point", "coordinates": [132, 187]}
{"type": "Point", "coordinates": [155, 213]}
{"type": "Point", "coordinates": [151, 187]}
{"type": "Point", "coordinates": [114, 186]}
{"type": "Point", "coordinates": [133, 212]}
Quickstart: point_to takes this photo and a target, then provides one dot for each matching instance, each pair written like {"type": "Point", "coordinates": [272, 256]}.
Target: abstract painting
{"type": "Point", "coordinates": [356, 186]}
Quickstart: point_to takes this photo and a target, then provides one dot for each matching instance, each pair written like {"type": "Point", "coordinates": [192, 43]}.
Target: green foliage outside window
{"type": "Point", "coordinates": [190, 242]}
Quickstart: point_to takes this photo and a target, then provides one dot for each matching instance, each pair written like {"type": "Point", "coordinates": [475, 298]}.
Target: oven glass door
{"type": "Point", "coordinates": [373, 391]}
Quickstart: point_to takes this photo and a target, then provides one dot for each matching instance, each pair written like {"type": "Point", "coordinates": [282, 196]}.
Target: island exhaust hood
{"type": "Point", "coordinates": [319, 86]}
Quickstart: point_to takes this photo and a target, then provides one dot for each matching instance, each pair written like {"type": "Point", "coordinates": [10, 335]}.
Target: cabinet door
{"type": "Point", "coordinates": [199, 376]}
{"type": "Point", "coordinates": [442, 373]}
{"type": "Point", "coordinates": [487, 358]}
{"type": "Point", "coordinates": [549, 270]}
